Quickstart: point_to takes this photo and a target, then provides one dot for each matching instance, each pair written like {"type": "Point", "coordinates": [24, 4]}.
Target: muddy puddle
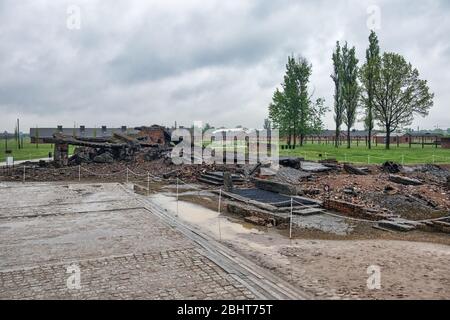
{"type": "Point", "coordinates": [199, 208]}
{"type": "Point", "coordinates": [219, 226]}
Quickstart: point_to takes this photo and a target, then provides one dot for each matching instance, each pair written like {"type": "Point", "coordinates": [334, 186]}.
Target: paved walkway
{"type": "Point", "coordinates": [123, 247]}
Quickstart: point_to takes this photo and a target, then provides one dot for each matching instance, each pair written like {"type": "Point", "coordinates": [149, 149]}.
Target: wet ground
{"type": "Point", "coordinates": [323, 266]}
{"type": "Point", "coordinates": [218, 225]}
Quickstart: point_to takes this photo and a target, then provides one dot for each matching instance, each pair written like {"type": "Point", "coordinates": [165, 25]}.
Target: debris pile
{"type": "Point", "coordinates": [354, 170]}
{"type": "Point", "coordinates": [405, 180]}
{"type": "Point", "coordinates": [392, 167]}
{"type": "Point", "coordinates": [217, 178]}
{"type": "Point", "coordinates": [397, 197]}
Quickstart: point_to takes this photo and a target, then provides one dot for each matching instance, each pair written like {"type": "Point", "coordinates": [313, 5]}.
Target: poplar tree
{"type": "Point", "coordinates": [369, 76]}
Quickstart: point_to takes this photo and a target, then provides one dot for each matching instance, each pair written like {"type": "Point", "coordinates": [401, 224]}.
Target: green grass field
{"type": "Point", "coordinates": [28, 152]}
{"type": "Point", "coordinates": [357, 154]}
{"type": "Point", "coordinates": [402, 154]}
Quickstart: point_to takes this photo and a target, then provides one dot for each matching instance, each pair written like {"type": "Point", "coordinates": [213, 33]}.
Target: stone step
{"type": "Point", "coordinates": [209, 181]}
{"type": "Point", "coordinates": [219, 174]}
{"type": "Point", "coordinates": [395, 226]}
{"type": "Point", "coordinates": [212, 177]}
{"type": "Point", "coordinates": [308, 212]}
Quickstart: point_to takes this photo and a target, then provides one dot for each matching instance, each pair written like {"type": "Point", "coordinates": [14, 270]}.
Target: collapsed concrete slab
{"type": "Point", "coordinates": [391, 167]}
{"type": "Point", "coordinates": [273, 186]}
{"type": "Point", "coordinates": [314, 167]}
{"type": "Point", "coordinates": [353, 170]}
{"type": "Point", "coordinates": [291, 162]}
{"type": "Point", "coordinates": [405, 180]}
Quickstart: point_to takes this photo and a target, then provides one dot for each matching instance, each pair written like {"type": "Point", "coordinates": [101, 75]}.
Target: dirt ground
{"type": "Point", "coordinates": [338, 269]}
{"type": "Point", "coordinates": [413, 265]}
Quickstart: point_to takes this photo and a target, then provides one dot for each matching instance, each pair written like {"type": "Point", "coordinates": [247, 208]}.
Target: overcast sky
{"type": "Point", "coordinates": [131, 63]}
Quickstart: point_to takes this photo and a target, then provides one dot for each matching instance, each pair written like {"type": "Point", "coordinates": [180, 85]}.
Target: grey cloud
{"type": "Point", "coordinates": [217, 61]}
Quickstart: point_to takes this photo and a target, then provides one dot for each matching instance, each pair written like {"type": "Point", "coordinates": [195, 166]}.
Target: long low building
{"type": "Point", "coordinates": [45, 135]}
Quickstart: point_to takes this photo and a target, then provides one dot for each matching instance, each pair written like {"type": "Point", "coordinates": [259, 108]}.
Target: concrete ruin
{"type": "Point", "coordinates": [107, 147]}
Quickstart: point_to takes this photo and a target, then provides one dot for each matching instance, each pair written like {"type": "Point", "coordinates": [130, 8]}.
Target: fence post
{"type": "Point", "coordinates": [79, 173]}
{"type": "Point", "coordinates": [403, 159]}
{"type": "Point", "coordinates": [148, 183]}
{"type": "Point", "coordinates": [218, 210]}
{"type": "Point", "coordinates": [177, 196]}
{"type": "Point", "coordinates": [127, 175]}
{"type": "Point", "coordinates": [290, 220]}
{"type": "Point", "coordinates": [24, 174]}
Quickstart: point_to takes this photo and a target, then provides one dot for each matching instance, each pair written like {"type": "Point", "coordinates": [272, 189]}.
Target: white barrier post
{"type": "Point", "coordinates": [218, 217]}
{"type": "Point", "coordinates": [290, 221]}
{"type": "Point", "coordinates": [177, 196]}
{"type": "Point", "coordinates": [127, 175]}
{"type": "Point", "coordinates": [79, 172]}
{"type": "Point", "coordinates": [24, 174]}
{"type": "Point", "coordinates": [148, 183]}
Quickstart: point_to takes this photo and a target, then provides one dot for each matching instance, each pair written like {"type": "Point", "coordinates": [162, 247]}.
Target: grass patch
{"type": "Point", "coordinates": [377, 155]}
{"type": "Point", "coordinates": [29, 152]}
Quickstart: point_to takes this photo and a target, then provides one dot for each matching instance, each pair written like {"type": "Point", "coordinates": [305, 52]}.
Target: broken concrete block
{"type": "Point", "coordinates": [267, 172]}
{"type": "Point", "coordinates": [291, 162]}
{"type": "Point", "coordinates": [391, 167]}
{"type": "Point", "coordinates": [405, 180]}
{"type": "Point", "coordinates": [314, 167]}
{"type": "Point", "coordinates": [227, 182]}
{"type": "Point", "coordinates": [104, 158]}
{"type": "Point", "coordinates": [276, 187]}
{"type": "Point", "coordinates": [353, 170]}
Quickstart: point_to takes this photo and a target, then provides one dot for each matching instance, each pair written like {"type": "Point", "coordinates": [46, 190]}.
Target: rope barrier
{"type": "Point", "coordinates": [137, 174]}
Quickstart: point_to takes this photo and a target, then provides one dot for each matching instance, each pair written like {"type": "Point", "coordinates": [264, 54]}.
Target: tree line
{"type": "Point", "coordinates": [386, 89]}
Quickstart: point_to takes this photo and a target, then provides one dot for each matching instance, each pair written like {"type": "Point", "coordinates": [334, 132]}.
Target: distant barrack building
{"type": "Point", "coordinates": [329, 136]}
{"type": "Point", "coordinates": [45, 135]}
{"type": "Point", "coordinates": [422, 138]}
